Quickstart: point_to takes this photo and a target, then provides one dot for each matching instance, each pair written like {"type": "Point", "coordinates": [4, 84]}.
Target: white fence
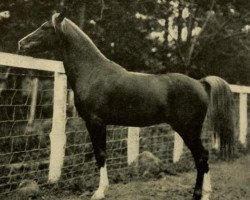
{"type": "Point", "coordinates": [58, 135]}
{"type": "Point", "coordinates": [243, 111]}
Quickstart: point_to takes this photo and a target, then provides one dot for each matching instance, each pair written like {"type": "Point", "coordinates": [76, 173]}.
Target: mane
{"type": "Point", "coordinates": [70, 29]}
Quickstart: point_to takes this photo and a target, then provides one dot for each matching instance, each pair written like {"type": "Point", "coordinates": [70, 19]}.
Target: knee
{"type": "Point", "coordinates": [205, 155]}
{"type": "Point", "coordinates": [101, 159]}
{"type": "Point", "coordinates": [204, 167]}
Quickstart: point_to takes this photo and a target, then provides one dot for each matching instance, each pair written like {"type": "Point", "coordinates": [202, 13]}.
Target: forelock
{"type": "Point", "coordinates": [57, 25]}
{"type": "Point", "coordinates": [54, 21]}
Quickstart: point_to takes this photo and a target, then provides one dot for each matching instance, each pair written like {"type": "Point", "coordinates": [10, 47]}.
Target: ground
{"type": "Point", "coordinates": [230, 181]}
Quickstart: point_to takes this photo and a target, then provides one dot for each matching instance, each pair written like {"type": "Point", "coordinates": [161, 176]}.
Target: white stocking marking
{"type": "Point", "coordinates": [206, 187]}
{"type": "Point", "coordinates": [103, 184]}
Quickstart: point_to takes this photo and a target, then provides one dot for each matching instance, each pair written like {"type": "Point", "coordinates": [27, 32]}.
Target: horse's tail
{"type": "Point", "coordinates": [220, 113]}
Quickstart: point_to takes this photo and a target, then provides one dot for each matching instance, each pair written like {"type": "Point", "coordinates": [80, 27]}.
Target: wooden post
{"type": "Point", "coordinates": [133, 144]}
{"type": "Point", "coordinates": [215, 141]}
{"type": "Point", "coordinates": [58, 135]}
{"type": "Point", "coordinates": [71, 102]}
{"type": "Point", "coordinates": [35, 82]}
{"type": "Point", "coordinates": [243, 118]}
{"type": "Point", "coordinates": [178, 147]}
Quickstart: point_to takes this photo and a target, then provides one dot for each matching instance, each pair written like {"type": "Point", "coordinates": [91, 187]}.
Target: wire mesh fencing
{"type": "Point", "coordinates": [24, 128]}
{"type": "Point", "coordinates": [26, 107]}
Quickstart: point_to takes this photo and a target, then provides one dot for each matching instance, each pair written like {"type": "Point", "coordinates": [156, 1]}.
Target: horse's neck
{"type": "Point", "coordinates": [79, 41]}
{"type": "Point", "coordinates": [81, 56]}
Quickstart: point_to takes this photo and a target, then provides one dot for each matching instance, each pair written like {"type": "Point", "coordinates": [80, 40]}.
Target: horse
{"type": "Point", "coordinates": [108, 94]}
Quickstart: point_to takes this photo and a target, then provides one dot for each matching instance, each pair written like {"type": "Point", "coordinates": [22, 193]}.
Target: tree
{"type": "Point", "coordinates": [220, 42]}
{"type": "Point", "coordinates": [194, 37]}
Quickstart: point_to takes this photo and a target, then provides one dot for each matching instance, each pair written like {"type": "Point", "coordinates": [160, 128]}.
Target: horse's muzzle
{"type": "Point", "coordinates": [21, 48]}
{"type": "Point", "coordinates": [25, 48]}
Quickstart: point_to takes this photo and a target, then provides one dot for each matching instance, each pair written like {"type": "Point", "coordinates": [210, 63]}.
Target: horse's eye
{"type": "Point", "coordinates": [45, 27]}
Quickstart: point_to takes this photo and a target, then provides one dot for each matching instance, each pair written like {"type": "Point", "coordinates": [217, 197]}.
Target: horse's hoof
{"type": "Point", "coordinates": [98, 195]}
{"type": "Point", "coordinates": [205, 196]}
{"type": "Point", "coordinates": [197, 195]}
{"type": "Point", "coordinates": [201, 195]}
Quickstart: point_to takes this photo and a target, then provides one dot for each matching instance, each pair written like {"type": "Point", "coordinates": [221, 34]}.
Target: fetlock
{"type": "Point", "coordinates": [197, 194]}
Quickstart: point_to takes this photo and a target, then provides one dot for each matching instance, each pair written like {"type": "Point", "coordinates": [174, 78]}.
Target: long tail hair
{"type": "Point", "coordinates": [220, 113]}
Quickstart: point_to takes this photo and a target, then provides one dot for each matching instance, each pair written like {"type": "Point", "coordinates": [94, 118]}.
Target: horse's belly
{"type": "Point", "coordinates": [137, 115]}
{"type": "Point", "coordinates": [132, 102]}
{"type": "Point", "coordinates": [136, 122]}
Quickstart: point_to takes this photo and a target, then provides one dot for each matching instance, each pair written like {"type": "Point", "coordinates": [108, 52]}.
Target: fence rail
{"type": "Point", "coordinates": [27, 62]}
{"type": "Point", "coordinates": [127, 144]}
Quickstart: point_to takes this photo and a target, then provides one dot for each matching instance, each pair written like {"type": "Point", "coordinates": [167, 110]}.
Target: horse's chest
{"type": "Point", "coordinates": [88, 99]}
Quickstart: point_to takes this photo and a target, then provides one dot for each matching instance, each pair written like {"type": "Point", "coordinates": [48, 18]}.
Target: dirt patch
{"type": "Point", "coordinates": [230, 181]}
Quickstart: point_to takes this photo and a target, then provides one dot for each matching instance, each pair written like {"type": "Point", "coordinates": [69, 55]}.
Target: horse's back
{"type": "Point", "coordinates": [128, 98]}
{"type": "Point", "coordinates": [146, 99]}
{"type": "Point", "coordinates": [135, 99]}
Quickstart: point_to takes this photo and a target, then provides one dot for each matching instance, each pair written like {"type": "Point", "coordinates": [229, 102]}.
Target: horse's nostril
{"type": "Point", "coordinates": [19, 45]}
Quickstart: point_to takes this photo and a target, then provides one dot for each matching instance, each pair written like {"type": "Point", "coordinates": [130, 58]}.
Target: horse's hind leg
{"type": "Point", "coordinates": [203, 185]}
{"type": "Point", "coordinates": [193, 141]}
{"type": "Point", "coordinates": [97, 132]}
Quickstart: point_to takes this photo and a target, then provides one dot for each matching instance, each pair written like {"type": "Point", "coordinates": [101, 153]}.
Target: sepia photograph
{"type": "Point", "coordinates": [125, 100]}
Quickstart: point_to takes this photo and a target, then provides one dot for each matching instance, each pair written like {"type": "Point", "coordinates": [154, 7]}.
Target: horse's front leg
{"type": "Point", "coordinates": [97, 132]}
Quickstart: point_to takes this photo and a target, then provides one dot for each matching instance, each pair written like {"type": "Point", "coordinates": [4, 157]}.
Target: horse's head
{"type": "Point", "coordinates": [45, 38]}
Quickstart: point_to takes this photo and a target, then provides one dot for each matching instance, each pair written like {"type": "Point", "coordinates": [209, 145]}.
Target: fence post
{"type": "Point", "coordinates": [178, 147]}
{"type": "Point", "coordinates": [133, 144]}
{"type": "Point", "coordinates": [71, 103]}
{"type": "Point", "coordinates": [215, 141]}
{"type": "Point", "coordinates": [35, 83]}
{"type": "Point", "coordinates": [58, 135]}
{"type": "Point", "coordinates": [243, 118]}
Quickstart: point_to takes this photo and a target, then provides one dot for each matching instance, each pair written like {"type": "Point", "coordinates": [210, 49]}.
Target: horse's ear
{"type": "Point", "coordinates": [62, 15]}
{"type": "Point", "coordinates": [57, 19]}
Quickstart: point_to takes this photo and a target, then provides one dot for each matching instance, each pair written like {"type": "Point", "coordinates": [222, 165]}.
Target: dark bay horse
{"type": "Point", "coordinates": [107, 94]}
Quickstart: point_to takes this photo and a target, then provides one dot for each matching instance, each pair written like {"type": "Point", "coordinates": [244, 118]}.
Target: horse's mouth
{"type": "Point", "coordinates": [34, 53]}
{"type": "Point", "coordinates": [29, 48]}
{"type": "Point", "coordinates": [23, 50]}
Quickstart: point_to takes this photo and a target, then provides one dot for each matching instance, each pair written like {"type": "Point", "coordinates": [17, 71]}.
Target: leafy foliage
{"type": "Point", "coordinates": [136, 34]}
